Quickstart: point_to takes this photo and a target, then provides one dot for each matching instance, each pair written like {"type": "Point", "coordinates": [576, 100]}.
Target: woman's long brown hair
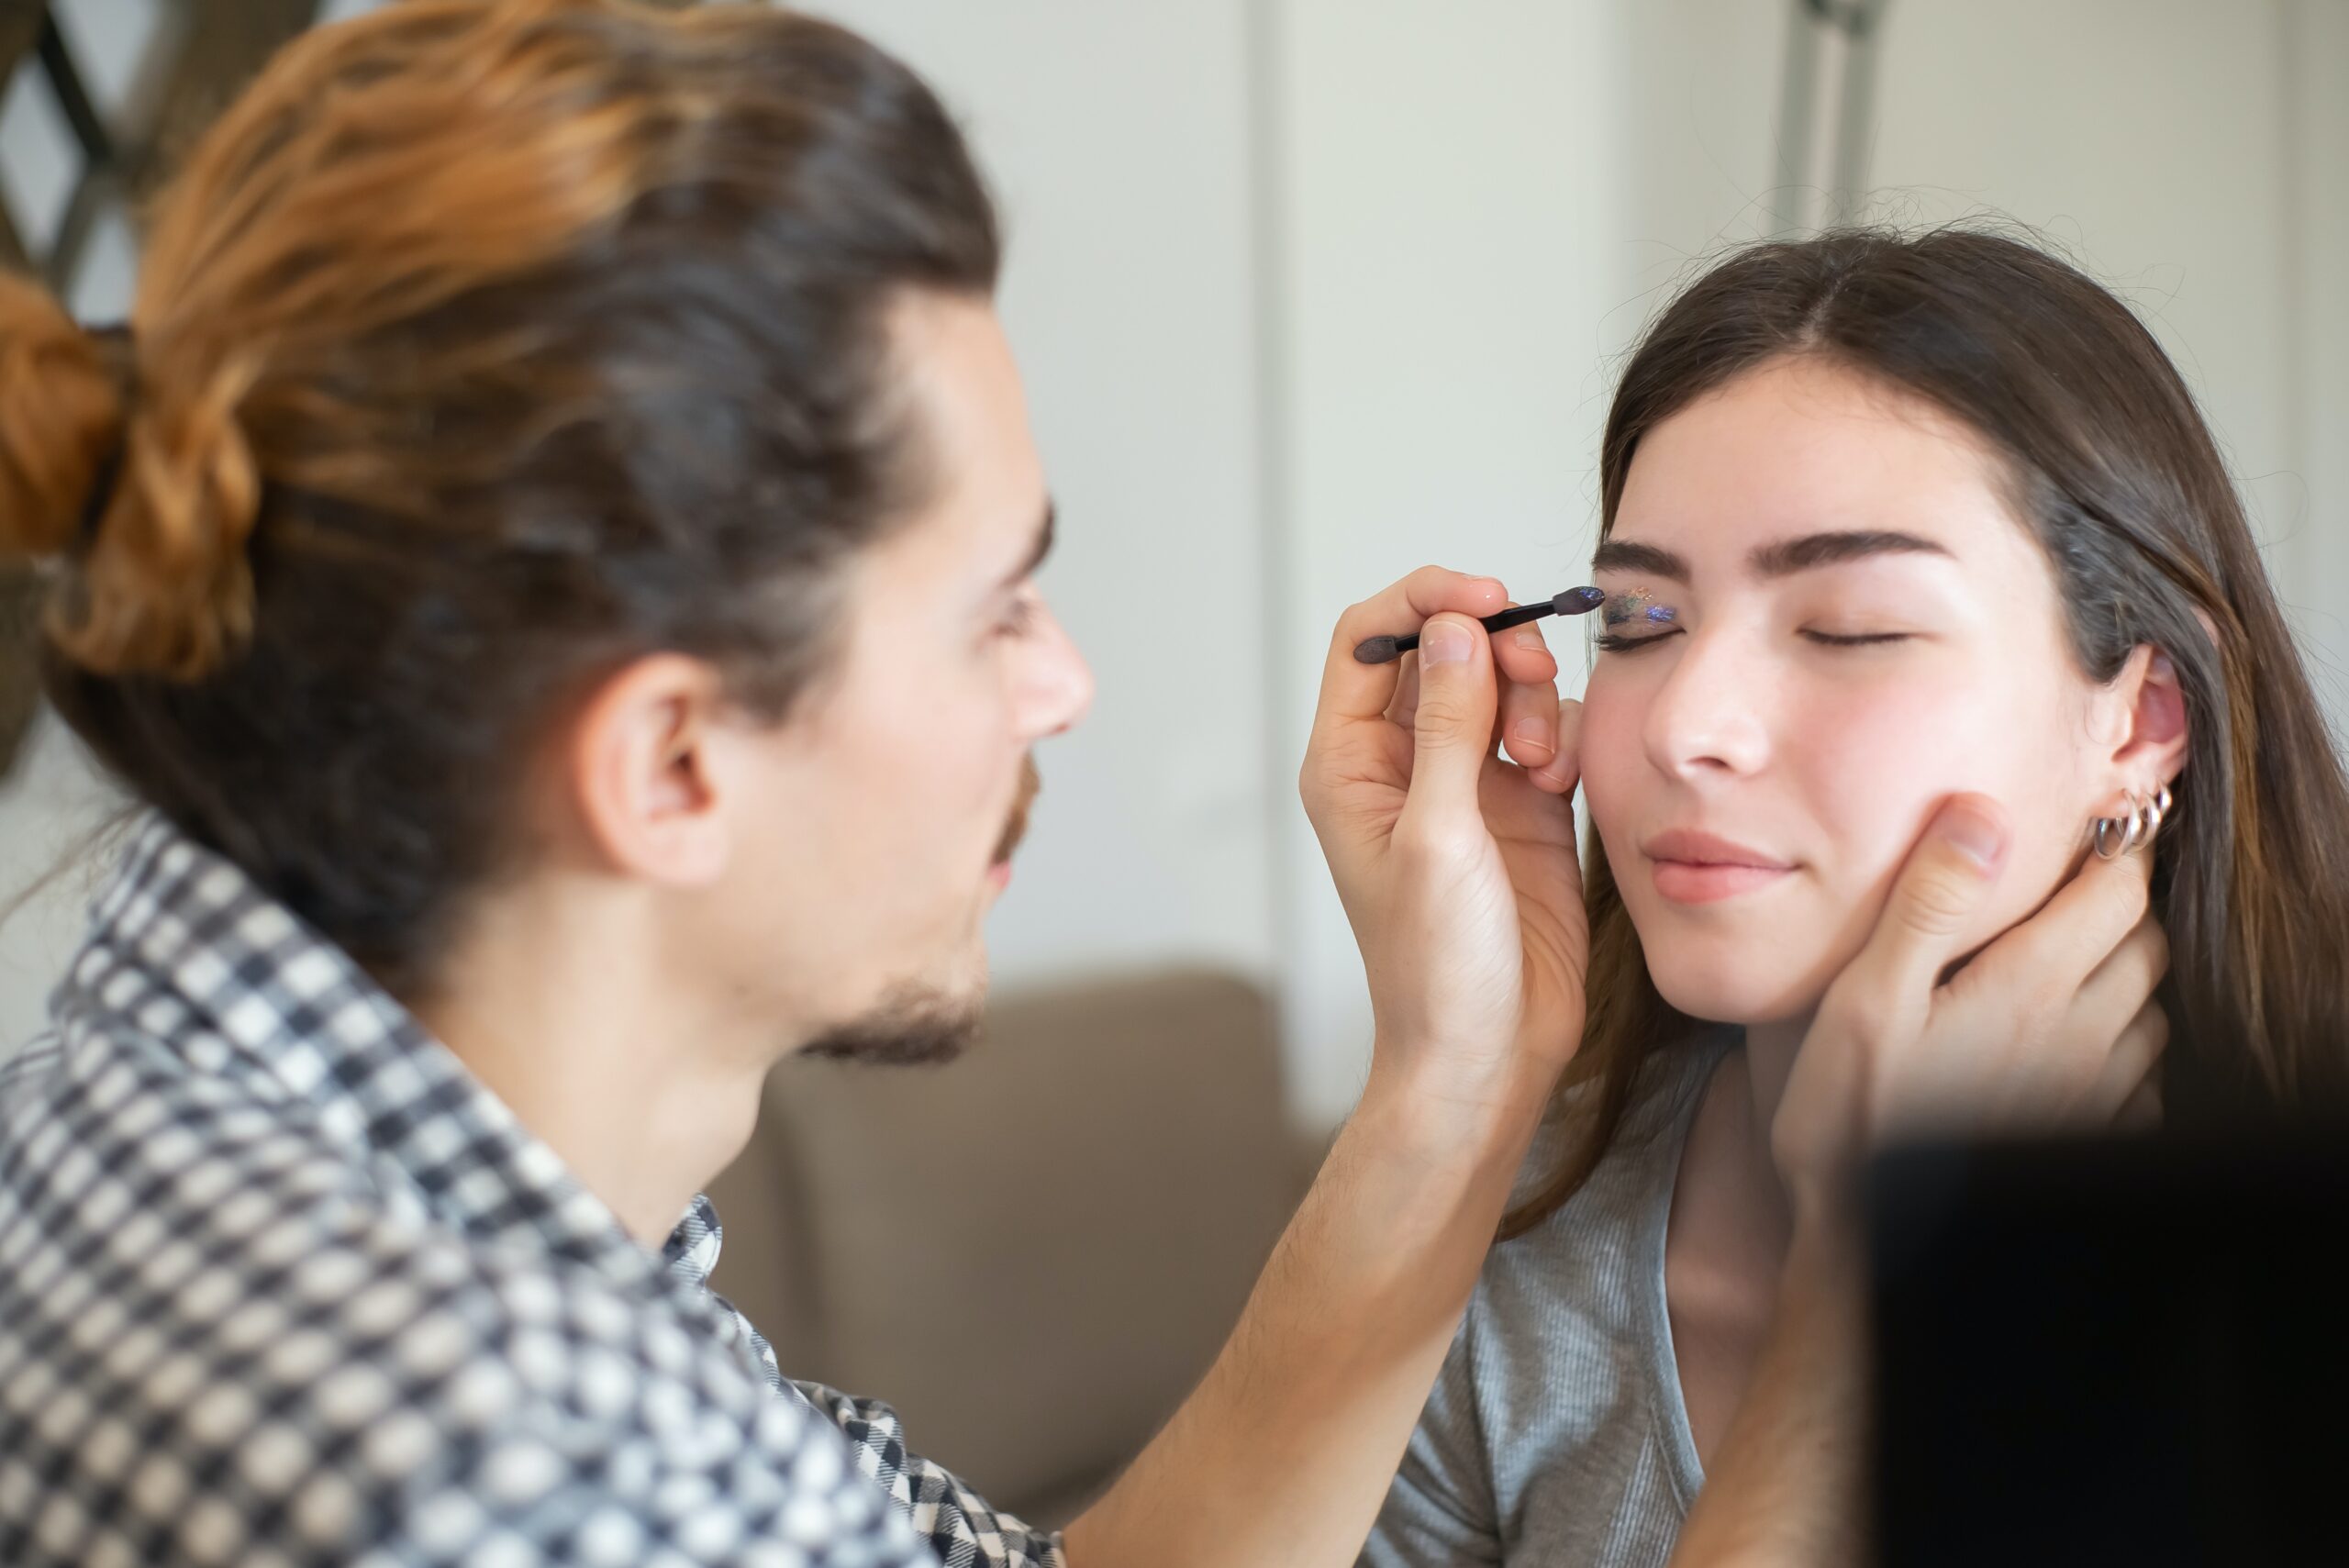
{"type": "Point", "coordinates": [2113, 468]}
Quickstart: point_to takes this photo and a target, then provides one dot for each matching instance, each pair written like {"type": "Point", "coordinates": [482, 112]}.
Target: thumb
{"type": "Point", "coordinates": [1943, 881]}
{"type": "Point", "coordinates": [1451, 732]}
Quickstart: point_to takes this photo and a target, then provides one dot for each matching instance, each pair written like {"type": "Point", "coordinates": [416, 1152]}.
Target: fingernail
{"type": "Point", "coordinates": [1444, 642]}
{"type": "Point", "coordinates": [1528, 734]}
{"type": "Point", "coordinates": [1530, 639]}
{"type": "Point", "coordinates": [1982, 837]}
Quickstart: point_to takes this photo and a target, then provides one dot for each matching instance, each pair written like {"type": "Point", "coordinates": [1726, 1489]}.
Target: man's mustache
{"type": "Point", "coordinates": [1031, 783]}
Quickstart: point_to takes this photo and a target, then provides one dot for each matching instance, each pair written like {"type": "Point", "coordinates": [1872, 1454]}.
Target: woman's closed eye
{"type": "Point", "coordinates": [1616, 642]}
{"type": "Point", "coordinates": [1855, 639]}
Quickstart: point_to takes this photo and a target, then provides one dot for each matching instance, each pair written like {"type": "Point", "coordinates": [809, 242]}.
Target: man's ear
{"type": "Point", "coordinates": [637, 768]}
{"type": "Point", "coordinates": [2146, 723]}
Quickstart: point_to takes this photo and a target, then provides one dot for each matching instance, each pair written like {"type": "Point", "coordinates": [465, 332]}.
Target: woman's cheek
{"type": "Point", "coordinates": [1876, 744]}
{"type": "Point", "coordinates": [1874, 766]}
{"type": "Point", "coordinates": [1612, 757]}
{"type": "Point", "coordinates": [1885, 761]}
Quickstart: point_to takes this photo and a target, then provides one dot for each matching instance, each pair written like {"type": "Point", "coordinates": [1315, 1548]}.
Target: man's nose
{"type": "Point", "coordinates": [1061, 687]}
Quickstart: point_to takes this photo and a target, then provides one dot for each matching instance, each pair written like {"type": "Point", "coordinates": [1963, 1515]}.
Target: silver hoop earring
{"type": "Point", "coordinates": [2116, 836]}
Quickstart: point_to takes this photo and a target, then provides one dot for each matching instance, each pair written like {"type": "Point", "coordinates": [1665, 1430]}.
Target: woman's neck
{"type": "Point", "coordinates": [1730, 1226]}
{"type": "Point", "coordinates": [1731, 1133]}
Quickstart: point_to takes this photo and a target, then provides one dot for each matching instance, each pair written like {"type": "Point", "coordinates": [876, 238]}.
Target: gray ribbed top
{"type": "Point", "coordinates": [1556, 1434]}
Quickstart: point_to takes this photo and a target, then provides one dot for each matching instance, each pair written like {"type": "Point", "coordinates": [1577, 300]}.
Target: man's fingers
{"type": "Point", "coordinates": [1405, 701]}
{"type": "Point", "coordinates": [1451, 732]}
{"type": "Point", "coordinates": [1527, 723]}
{"type": "Point", "coordinates": [2135, 1056]}
{"type": "Point", "coordinates": [1528, 719]}
{"type": "Point", "coordinates": [1524, 656]}
{"type": "Point", "coordinates": [1354, 690]}
{"type": "Point", "coordinates": [2124, 982]}
{"type": "Point", "coordinates": [1941, 885]}
{"type": "Point", "coordinates": [2080, 927]}
{"type": "Point", "coordinates": [1564, 770]}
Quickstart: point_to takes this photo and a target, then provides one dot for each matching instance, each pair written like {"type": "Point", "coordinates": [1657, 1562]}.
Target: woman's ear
{"type": "Point", "coordinates": [2147, 721]}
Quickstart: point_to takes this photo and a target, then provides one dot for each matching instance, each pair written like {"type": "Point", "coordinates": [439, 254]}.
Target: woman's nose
{"type": "Point", "coordinates": [1711, 715]}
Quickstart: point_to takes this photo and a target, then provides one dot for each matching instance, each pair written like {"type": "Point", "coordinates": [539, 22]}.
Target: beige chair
{"type": "Point", "coordinates": [1032, 1252]}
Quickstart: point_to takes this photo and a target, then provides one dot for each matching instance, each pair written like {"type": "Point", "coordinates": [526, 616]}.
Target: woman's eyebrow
{"type": "Point", "coordinates": [1783, 558]}
{"type": "Point", "coordinates": [1622, 555]}
{"type": "Point", "coordinates": [1780, 558]}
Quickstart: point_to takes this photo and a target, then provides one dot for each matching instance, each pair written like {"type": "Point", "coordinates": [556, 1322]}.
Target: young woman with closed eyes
{"type": "Point", "coordinates": [1896, 531]}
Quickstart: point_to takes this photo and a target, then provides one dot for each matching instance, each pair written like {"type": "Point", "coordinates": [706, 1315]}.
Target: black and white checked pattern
{"type": "Point", "coordinates": [282, 1284]}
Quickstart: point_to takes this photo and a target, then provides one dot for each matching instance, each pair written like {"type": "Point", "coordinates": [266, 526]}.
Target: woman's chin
{"type": "Point", "coordinates": [1728, 989]}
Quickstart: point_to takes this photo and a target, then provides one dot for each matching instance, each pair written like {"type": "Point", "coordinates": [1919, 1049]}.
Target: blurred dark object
{"type": "Point", "coordinates": [2112, 1351]}
{"type": "Point", "coordinates": [1033, 1252]}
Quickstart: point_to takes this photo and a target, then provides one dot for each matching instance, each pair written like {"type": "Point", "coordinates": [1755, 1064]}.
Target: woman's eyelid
{"type": "Point", "coordinates": [1638, 610]}
{"type": "Point", "coordinates": [1849, 622]}
{"type": "Point", "coordinates": [1622, 642]}
{"type": "Point", "coordinates": [1638, 606]}
{"type": "Point", "coordinates": [1855, 639]}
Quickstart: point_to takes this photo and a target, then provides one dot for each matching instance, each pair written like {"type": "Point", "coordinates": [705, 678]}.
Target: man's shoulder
{"type": "Point", "coordinates": [227, 1338]}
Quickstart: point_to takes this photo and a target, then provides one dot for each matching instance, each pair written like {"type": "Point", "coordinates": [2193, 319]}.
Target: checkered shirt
{"type": "Point", "coordinates": [281, 1283]}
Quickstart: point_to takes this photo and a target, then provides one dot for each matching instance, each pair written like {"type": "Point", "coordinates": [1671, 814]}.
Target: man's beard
{"type": "Point", "coordinates": [917, 1025]}
{"type": "Point", "coordinates": [913, 1026]}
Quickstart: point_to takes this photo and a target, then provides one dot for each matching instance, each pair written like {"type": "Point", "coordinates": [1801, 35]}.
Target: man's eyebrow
{"type": "Point", "coordinates": [1786, 556]}
{"type": "Point", "coordinates": [1042, 548]}
{"type": "Point", "coordinates": [1781, 558]}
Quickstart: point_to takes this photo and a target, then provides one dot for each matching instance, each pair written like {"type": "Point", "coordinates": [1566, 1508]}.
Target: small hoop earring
{"type": "Point", "coordinates": [2116, 836]}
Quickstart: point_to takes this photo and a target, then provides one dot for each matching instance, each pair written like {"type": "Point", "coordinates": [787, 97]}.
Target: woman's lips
{"type": "Point", "coordinates": [1685, 883]}
{"type": "Point", "coordinates": [1702, 868]}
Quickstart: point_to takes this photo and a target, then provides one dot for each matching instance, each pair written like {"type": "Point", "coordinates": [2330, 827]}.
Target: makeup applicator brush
{"type": "Point", "coordinates": [1572, 601]}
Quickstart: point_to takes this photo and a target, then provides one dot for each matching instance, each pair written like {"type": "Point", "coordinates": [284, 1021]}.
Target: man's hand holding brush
{"type": "Point", "coordinates": [1455, 863]}
{"type": "Point", "coordinates": [1458, 871]}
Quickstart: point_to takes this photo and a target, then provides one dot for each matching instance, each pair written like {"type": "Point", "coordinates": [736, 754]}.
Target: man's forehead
{"type": "Point", "coordinates": [984, 479]}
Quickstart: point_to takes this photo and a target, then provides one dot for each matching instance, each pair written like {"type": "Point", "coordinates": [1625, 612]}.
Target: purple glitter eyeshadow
{"type": "Point", "coordinates": [1624, 608]}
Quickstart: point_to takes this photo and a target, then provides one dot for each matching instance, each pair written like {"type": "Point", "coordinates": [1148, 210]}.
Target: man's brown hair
{"type": "Point", "coordinates": [478, 349]}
